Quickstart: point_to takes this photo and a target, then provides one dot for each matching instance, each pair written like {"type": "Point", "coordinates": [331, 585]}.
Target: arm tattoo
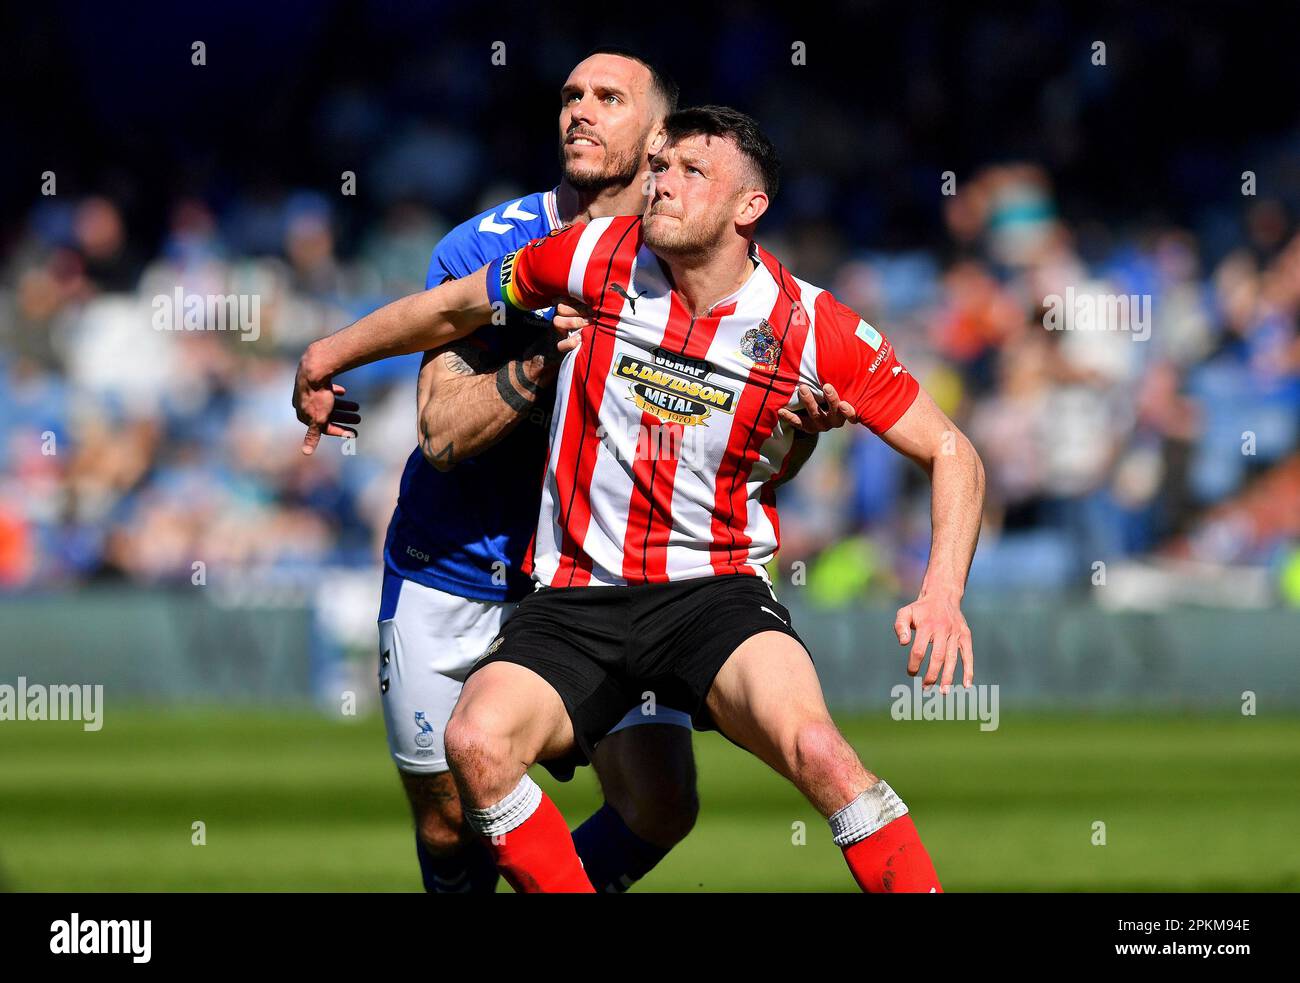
{"type": "Point", "coordinates": [512, 397]}
{"type": "Point", "coordinates": [524, 382]}
{"type": "Point", "coordinates": [455, 360]}
{"type": "Point", "coordinates": [446, 456]}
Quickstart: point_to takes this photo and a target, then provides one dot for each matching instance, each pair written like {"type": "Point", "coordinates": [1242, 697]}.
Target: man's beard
{"type": "Point", "coordinates": [681, 239]}
{"type": "Point", "coordinates": [620, 170]}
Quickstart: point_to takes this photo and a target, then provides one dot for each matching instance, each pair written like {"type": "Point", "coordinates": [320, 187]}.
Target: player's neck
{"type": "Point", "coordinates": [576, 205]}
{"type": "Point", "coordinates": [703, 279]}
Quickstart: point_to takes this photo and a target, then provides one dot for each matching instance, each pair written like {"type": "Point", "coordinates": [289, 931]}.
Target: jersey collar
{"type": "Point", "coordinates": [552, 208]}
{"type": "Point", "coordinates": [732, 297]}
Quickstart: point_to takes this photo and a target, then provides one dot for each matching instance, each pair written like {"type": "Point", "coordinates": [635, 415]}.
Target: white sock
{"type": "Point", "coordinates": [871, 810]}
{"type": "Point", "coordinates": [510, 813]}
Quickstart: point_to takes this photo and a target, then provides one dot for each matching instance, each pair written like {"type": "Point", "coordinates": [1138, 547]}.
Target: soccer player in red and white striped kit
{"type": "Point", "coordinates": [658, 517]}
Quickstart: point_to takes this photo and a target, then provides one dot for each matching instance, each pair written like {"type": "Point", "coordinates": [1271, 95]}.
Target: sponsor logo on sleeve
{"type": "Point", "coordinates": [869, 334]}
{"type": "Point", "coordinates": [879, 359]}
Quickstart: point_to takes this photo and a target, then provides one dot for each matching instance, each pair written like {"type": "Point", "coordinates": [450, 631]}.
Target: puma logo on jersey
{"type": "Point", "coordinates": [619, 289]}
{"type": "Point", "coordinates": [764, 607]}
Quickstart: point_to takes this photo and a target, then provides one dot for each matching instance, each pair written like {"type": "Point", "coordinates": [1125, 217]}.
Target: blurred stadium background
{"type": "Point", "coordinates": [1139, 571]}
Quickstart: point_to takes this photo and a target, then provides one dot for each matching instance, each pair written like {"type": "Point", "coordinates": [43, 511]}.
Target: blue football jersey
{"type": "Point", "coordinates": [465, 531]}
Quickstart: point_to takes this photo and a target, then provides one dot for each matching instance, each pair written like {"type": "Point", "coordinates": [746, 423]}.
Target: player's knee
{"type": "Point", "coordinates": [817, 749]}
{"type": "Point", "coordinates": [477, 747]}
{"type": "Point", "coordinates": [663, 815]}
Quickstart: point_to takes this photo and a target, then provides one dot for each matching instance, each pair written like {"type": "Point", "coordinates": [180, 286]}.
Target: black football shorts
{"type": "Point", "coordinates": [607, 649]}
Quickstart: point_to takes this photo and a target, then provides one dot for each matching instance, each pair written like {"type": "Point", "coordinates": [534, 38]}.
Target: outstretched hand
{"type": "Point", "coordinates": [937, 618]}
{"type": "Point", "coordinates": [314, 400]}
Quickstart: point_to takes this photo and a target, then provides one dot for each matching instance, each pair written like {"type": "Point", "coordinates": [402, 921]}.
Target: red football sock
{"type": "Point", "coordinates": [893, 860]}
{"type": "Point", "coordinates": [537, 856]}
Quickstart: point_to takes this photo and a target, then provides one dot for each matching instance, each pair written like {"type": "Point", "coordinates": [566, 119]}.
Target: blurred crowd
{"type": "Point", "coordinates": [163, 451]}
{"type": "Point", "coordinates": [1132, 401]}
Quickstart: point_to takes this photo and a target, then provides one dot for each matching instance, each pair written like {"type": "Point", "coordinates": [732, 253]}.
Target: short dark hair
{"type": "Point", "coordinates": [661, 83]}
{"type": "Point", "coordinates": [742, 130]}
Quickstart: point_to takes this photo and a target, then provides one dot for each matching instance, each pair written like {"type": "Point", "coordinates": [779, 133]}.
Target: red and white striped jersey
{"type": "Point", "coordinates": [665, 438]}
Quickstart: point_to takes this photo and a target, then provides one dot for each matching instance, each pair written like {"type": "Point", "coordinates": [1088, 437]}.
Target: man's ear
{"type": "Point", "coordinates": [750, 206]}
{"type": "Point", "coordinates": [658, 137]}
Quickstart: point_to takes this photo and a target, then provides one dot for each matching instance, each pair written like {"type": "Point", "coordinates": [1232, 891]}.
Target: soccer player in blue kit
{"type": "Point", "coordinates": [468, 507]}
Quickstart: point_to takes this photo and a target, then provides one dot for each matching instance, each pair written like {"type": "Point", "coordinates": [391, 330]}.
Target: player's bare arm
{"type": "Point", "coordinates": [467, 405]}
{"type": "Point", "coordinates": [422, 321]}
{"type": "Point", "coordinates": [926, 435]}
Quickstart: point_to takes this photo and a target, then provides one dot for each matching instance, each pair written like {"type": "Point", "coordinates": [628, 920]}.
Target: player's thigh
{"type": "Point", "coordinates": [765, 694]}
{"type": "Point", "coordinates": [428, 642]}
{"type": "Point", "coordinates": [549, 680]}
{"type": "Point", "coordinates": [511, 710]}
{"type": "Point", "coordinates": [417, 703]}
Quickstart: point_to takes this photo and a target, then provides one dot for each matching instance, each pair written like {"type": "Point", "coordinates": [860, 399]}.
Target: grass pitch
{"type": "Point", "coordinates": [299, 802]}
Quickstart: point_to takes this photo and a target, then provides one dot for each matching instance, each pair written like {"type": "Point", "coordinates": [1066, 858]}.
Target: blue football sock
{"type": "Point", "coordinates": [614, 857]}
{"type": "Point", "coordinates": [468, 871]}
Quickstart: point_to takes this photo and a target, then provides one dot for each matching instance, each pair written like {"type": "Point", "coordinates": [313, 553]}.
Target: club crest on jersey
{"type": "Point", "coordinates": [674, 388]}
{"type": "Point", "coordinates": [760, 346]}
{"type": "Point", "coordinates": [423, 736]}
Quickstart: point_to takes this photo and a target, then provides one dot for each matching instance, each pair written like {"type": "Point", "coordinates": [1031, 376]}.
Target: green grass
{"type": "Point", "coordinates": [302, 803]}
